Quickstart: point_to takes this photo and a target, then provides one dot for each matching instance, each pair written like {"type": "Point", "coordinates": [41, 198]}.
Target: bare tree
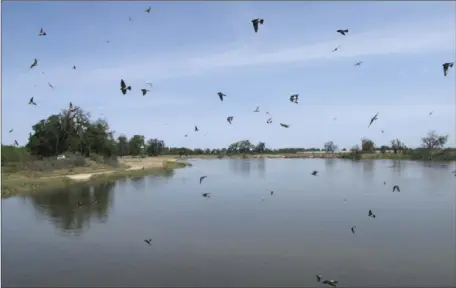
{"type": "Point", "coordinates": [434, 141]}
{"type": "Point", "coordinates": [330, 147]}
{"type": "Point", "coordinates": [397, 145]}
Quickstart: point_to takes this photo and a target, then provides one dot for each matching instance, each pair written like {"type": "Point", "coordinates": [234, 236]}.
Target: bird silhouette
{"type": "Point", "coordinates": [196, 128]}
{"type": "Point", "coordinates": [42, 33]}
{"type": "Point", "coordinates": [124, 87]}
{"type": "Point", "coordinates": [148, 241]}
{"type": "Point", "coordinates": [221, 95]}
{"type": "Point", "coordinates": [318, 277]}
{"type": "Point", "coordinates": [446, 66]}
{"type": "Point", "coordinates": [255, 23]}
{"type": "Point", "coordinates": [206, 195]}
{"type": "Point", "coordinates": [272, 192]}
{"type": "Point", "coordinates": [371, 214]}
{"type": "Point", "coordinates": [144, 91]}
{"type": "Point", "coordinates": [335, 49]}
{"type": "Point", "coordinates": [294, 98]}
{"type": "Point", "coordinates": [269, 121]}
{"type": "Point", "coordinates": [383, 131]}
{"type": "Point", "coordinates": [430, 113]}
{"type": "Point", "coordinates": [396, 187]}
{"type": "Point", "coordinates": [202, 178]}
{"type": "Point", "coordinates": [284, 125]}
{"type": "Point", "coordinates": [129, 18]}
{"type": "Point", "coordinates": [358, 63]}
{"type": "Point", "coordinates": [353, 229]}
{"type": "Point", "coordinates": [16, 143]}
{"type": "Point", "coordinates": [50, 85]}
{"type": "Point", "coordinates": [314, 173]}
{"type": "Point", "coordinates": [147, 10]}
{"type": "Point", "coordinates": [330, 282]}
{"type": "Point", "coordinates": [373, 119]}
{"type": "Point", "coordinates": [257, 109]}
{"type": "Point", "coordinates": [343, 32]}
{"type": "Point", "coordinates": [31, 102]}
{"type": "Point", "coordinates": [35, 63]}
{"type": "Point", "coordinates": [229, 119]}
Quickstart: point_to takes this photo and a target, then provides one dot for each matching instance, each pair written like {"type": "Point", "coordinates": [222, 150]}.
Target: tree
{"type": "Point", "coordinates": [434, 141]}
{"type": "Point", "coordinates": [397, 145]}
{"type": "Point", "coordinates": [330, 147]}
{"type": "Point", "coordinates": [122, 145]}
{"type": "Point", "coordinates": [136, 145]}
{"type": "Point", "coordinates": [260, 148]}
{"type": "Point", "coordinates": [383, 149]}
{"type": "Point", "coordinates": [367, 145]}
{"type": "Point", "coordinates": [155, 147]}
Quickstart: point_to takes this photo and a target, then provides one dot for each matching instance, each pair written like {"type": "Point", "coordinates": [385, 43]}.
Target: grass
{"type": "Point", "coordinates": [25, 182]}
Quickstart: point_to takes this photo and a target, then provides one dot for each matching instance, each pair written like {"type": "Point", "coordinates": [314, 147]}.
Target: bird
{"type": "Point", "coordinates": [185, 135]}
{"type": "Point", "coordinates": [334, 118]}
{"type": "Point", "coordinates": [371, 214]}
{"type": "Point", "coordinates": [284, 125]}
{"type": "Point", "coordinates": [148, 241]}
{"type": "Point", "coordinates": [335, 49]}
{"type": "Point", "coordinates": [35, 63]}
{"type": "Point", "coordinates": [373, 119]}
{"type": "Point", "coordinates": [353, 229]}
{"type": "Point", "coordinates": [358, 63]}
{"type": "Point", "coordinates": [74, 67]}
{"type": "Point", "coordinates": [446, 66]}
{"type": "Point", "coordinates": [255, 23]}
{"type": "Point", "coordinates": [31, 102]}
{"type": "Point", "coordinates": [16, 143]}
{"type": "Point", "coordinates": [294, 98]}
{"type": "Point", "coordinates": [144, 91]}
{"type": "Point", "coordinates": [430, 113]}
{"type": "Point", "coordinates": [314, 173]}
{"type": "Point", "coordinates": [272, 192]}
{"type": "Point", "coordinates": [129, 18]}
{"type": "Point", "coordinates": [206, 195]}
{"type": "Point", "coordinates": [221, 95]}
{"type": "Point", "coordinates": [343, 32]}
{"type": "Point", "coordinates": [383, 131]}
{"type": "Point", "coordinates": [150, 84]}
{"type": "Point", "coordinates": [269, 121]}
{"type": "Point", "coordinates": [71, 109]}
{"type": "Point", "coordinates": [11, 130]}
{"type": "Point", "coordinates": [147, 10]}
{"type": "Point", "coordinates": [257, 109]}
{"type": "Point", "coordinates": [229, 119]}
{"type": "Point", "coordinates": [202, 178]}
{"type": "Point", "coordinates": [330, 282]}
{"type": "Point", "coordinates": [124, 87]}
{"type": "Point", "coordinates": [108, 41]}
{"type": "Point", "coordinates": [42, 33]}
{"type": "Point", "coordinates": [396, 187]}
{"type": "Point", "coordinates": [318, 277]}
{"type": "Point", "coordinates": [50, 85]}
{"type": "Point", "coordinates": [196, 128]}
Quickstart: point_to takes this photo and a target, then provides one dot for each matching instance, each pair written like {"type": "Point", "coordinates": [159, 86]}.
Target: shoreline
{"type": "Point", "coordinates": [16, 184]}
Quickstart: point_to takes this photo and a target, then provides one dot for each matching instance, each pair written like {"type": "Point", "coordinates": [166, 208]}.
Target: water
{"type": "Point", "coordinates": [242, 236]}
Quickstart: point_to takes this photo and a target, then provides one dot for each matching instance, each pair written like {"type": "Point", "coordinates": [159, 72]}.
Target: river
{"type": "Point", "coordinates": [242, 235]}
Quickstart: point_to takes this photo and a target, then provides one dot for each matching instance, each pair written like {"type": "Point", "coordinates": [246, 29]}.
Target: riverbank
{"type": "Point", "coordinates": [21, 183]}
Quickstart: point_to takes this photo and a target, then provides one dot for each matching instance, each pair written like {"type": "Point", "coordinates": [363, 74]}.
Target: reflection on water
{"type": "Point", "coordinates": [73, 208]}
{"type": "Point", "coordinates": [261, 166]}
{"type": "Point", "coordinates": [241, 166]}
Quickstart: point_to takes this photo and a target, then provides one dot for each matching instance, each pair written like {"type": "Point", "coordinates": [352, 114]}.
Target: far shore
{"type": "Point", "coordinates": [21, 183]}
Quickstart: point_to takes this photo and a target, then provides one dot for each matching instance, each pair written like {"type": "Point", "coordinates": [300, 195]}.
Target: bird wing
{"type": "Point", "coordinates": [122, 84]}
{"type": "Point", "coordinates": [255, 25]}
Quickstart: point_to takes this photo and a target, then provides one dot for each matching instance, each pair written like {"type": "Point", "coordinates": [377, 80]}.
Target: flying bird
{"type": "Point", "coordinates": [148, 241]}
{"type": "Point", "coordinates": [257, 109]}
{"type": "Point", "coordinates": [31, 102]}
{"type": "Point", "coordinates": [16, 143]}
{"type": "Point", "coordinates": [50, 85]}
{"type": "Point", "coordinates": [185, 135]}
{"type": "Point", "coordinates": [269, 121]}
{"type": "Point", "coordinates": [206, 195]}
{"type": "Point", "coordinates": [335, 49]}
{"type": "Point", "coordinates": [353, 229]}
{"type": "Point", "coordinates": [343, 32]}
{"type": "Point", "coordinates": [144, 91]}
{"type": "Point", "coordinates": [373, 119]}
{"type": "Point", "coordinates": [294, 98]}
{"type": "Point", "coordinates": [383, 131]}
{"type": "Point", "coordinates": [318, 277]}
{"type": "Point", "coordinates": [35, 63]}
{"type": "Point", "coordinates": [255, 23]}
{"type": "Point", "coordinates": [124, 87]}
{"type": "Point", "coordinates": [396, 187]}
{"type": "Point", "coordinates": [108, 41]}
{"type": "Point", "coordinates": [71, 109]}
{"type": "Point", "coordinates": [284, 125]}
{"type": "Point", "coordinates": [11, 130]}
{"type": "Point", "coordinates": [202, 178]}
{"type": "Point", "coordinates": [272, 192]}
{"type": "Point", "coordinates": [314, 173]}
{"type": "Point", "coordinates": [74, 67]}
{"type": "Point", "coordinates": [229, 119]}
{"type": "Point", "coordinates": [221, 95]}
{"type": "Point", "coordinates": [371, 214]}
{"type": "Point", "coordinates": [430, 113]}
{"type": "Point", "coordinates": [129, 18]}
{"type": "Point", "coordinates": [196, 128]}
{"type": "Point", "coordinates": [330, 282]}
{"type": "Point", "coordinates": [446, 66]}
{"type": "Point", "coordinates": [358, 63]}
{"type": "Point", "coordinates": [147, 10]}
{"type": "Point", "coordinates": [42, 33]}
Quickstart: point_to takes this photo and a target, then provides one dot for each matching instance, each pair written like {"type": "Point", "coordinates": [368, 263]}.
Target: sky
{"type": "Point", "coordinates": [192, 50]}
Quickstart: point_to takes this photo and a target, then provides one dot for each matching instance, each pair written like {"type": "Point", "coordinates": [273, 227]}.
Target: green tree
{"type": "Point", "coordinates": [433, 140]}
{"type": "Point", "coordinates": [136, 145]}
{"type": "Point", "coordinates": [260, 148]}
{"type": "Point", "coordinates": [155, 147]}
{"type": "Point", "coordinates": [122, 145]}
{"type": "Point", "coordinates": [367, 145]}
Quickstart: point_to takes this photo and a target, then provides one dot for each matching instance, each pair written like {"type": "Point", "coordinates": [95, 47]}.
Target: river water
{"type": "Point", "coordinates": [242, 235]}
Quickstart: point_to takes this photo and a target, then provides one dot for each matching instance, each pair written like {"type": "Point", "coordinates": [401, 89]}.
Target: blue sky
{"type": "Point", "coordinates": [192, 50]}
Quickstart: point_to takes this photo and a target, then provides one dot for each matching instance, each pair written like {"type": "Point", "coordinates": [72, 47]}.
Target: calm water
{"type": "Point", "coordinates": [242, 235]}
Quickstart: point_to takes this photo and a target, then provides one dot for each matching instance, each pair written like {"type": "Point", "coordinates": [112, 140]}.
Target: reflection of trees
{"type": "Point", "coordinates": [240, 166]}
{"type": "Point", "coordinates": [62, 208]}
{"type": "Point", "coordinates": [138, 182]}
{"type": "Point", "coordinates": [368, 167]}
{"type": "Point", "coordinates": [261, 166]}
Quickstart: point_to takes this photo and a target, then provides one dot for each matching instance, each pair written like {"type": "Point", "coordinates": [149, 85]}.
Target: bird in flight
{"type": "Point", "coordinates": [446, 66]}
{"type": "Point", "coordinates": [50, 85]}
{"type": "Point", "coordinates": [257, 109]}
{"type": "Point", "coordinates": [269, 121]}
{"type": "Point", "coordinates": [396, 187]}
{"type": "Point", "coordinates": [335, 49]}
{"type": "Point", "coordinates": [430, 113]}
{"type": "Point", "coordinates": [108, 41]}
{"type": "Point", "coordinates": [74, 67]}
{"type": "Point", "coordinates": [221, 95]}
{"type": "Point", "coordinates": [148, 241]}
{"type": "Point", "coordinates": [358, 63]}
{"type": "Point", "coordinates": [383, 131]}
{"type": "Point", "coordinates": [196, 128]}
{"type": "Point", "coordinates": [71, 109]}
{"type": "Point", "coordinates": [129, 18]}
{"type": "Point", "coordinates": [371, 214]}
{"type": "Point", "coordinates": [35, 63]}
{"type": "Point", "coordinates": [284, 125]}
{"type": "Point", "coordinates": [202, 178]}
{"type": "Point", "coordinates": [31, 102]}
{"type": "Point", "coordinates": [353, 229]}
{"type": "Point", "coordinates": [144, 91]}
{"type": "Point", "coordinates": [330, 282]}
{"type": "Point", "coordinates": [373, 119]}
{"type": "Point", "coordinates": [272, 193]}
{"type": "Point", "coordinates": [255, 23]}
{"type": "Point", "coordinates": [314, 173]}
{"type": "Point", "coordinates": [229, 119]}
{"type": "Point", "coordinates": [16, 143]}
{"type": "Point", "coordinates": [147, 10]}
{"type": "Point", "coordinates": [42, 33]}
{"type": "Point", "coordinates": [343, 32]}
{"type": "Point", "coordinates": [318, 277]}
{"type": "Point", "coordinates": [206, 195]}
{"type": "Point", "coordinates": [124, 87]}
{"type": "Point", "coordinates": [294, 98]}
{"type": "Point", "coordinates": [11, 130]}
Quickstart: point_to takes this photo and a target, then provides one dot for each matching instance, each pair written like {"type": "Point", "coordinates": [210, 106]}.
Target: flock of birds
{"type": "Point", "coordinates": [124, 88]}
